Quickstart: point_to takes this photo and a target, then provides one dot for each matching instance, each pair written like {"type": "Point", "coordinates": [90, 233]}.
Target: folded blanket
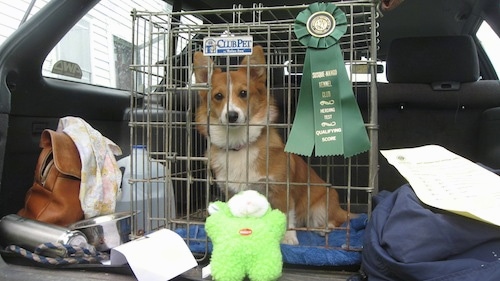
{"type": "Point", "coordinates": [310, 251]}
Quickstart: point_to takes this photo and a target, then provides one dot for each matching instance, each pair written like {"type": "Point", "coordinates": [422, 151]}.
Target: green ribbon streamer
{"type": "Point", "coordinates": [326, 98]}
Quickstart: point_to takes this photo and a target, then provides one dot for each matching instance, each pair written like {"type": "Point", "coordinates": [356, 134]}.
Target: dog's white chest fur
{"type": "Point", "coordinates": [235, 168]}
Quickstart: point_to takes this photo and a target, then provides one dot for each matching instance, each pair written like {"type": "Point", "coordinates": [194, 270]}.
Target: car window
{"type": "Point", "coordinates": [491, 44]}
{"type": "Point", "coordinates": [97, 50]}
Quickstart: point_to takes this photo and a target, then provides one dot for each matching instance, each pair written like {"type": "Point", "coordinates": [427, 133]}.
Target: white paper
{"type": "Point", "coordinates": [444, 180]}
{"type": "Point", "coordinates": [159, 256]}
{"type": "Point", "coordinates": [206, 271]}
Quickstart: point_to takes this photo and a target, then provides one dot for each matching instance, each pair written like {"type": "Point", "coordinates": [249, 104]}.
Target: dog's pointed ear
{"type": "Point", "coordinates": [201, 63]}
{"type": "Point", "coordinates": [257, 61]}
{"type": "Point", "coordinates": [200, 66]}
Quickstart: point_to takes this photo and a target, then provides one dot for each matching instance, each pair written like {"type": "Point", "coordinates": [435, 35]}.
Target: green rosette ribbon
{"type": "Point", "coordinates": [328, 119]}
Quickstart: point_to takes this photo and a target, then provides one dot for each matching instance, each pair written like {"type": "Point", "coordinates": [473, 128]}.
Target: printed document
{"type": "Point", "coordinates": [445, 180]}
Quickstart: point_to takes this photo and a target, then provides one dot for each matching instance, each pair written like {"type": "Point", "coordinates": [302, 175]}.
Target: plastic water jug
{"type": "Point", "coordinates": [145, 190]}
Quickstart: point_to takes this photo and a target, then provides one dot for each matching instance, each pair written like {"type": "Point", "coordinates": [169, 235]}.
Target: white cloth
{"type": "Point", "coordinates": [101, 176]}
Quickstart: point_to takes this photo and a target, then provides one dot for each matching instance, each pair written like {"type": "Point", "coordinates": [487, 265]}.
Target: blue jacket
{"type": "Point", "coordinates": [405, 240]}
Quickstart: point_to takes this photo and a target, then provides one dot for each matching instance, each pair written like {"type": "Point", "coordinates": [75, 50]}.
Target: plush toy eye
{"type": "Point", "coordinates": [212, 208]}
{"type": "Point", "coordinates": [218, 96]}
{"type": "Point", "coordinates": [243, 94]}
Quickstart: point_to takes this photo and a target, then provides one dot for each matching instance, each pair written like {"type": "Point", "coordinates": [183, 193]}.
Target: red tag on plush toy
{"type": "Point", "coordinates": [245, 231]}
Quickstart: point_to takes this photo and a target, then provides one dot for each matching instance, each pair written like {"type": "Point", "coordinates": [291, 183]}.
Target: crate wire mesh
{"type": "Point", "coordinates": [165, 97]}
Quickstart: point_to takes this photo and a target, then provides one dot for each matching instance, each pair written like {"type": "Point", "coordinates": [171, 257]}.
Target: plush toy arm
{"type": "Point", "coordinates": [278, 220]}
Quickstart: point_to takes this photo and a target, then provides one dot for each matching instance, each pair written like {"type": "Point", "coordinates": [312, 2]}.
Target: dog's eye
{"type": "Point", "coordinates": [243, 94]}
{"type": "Point", "coordinates": [218, 96]}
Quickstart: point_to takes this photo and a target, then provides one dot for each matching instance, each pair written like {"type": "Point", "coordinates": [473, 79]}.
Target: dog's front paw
{"type": "Point", "coordinates": [290, 238]}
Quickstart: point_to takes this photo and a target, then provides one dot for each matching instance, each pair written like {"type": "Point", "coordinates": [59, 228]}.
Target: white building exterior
{"type": "Point", "coordinates": [100, 44]}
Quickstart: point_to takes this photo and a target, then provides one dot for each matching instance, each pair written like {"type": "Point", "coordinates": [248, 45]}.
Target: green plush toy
{"type": "Point", "coordinates": [246, 235]}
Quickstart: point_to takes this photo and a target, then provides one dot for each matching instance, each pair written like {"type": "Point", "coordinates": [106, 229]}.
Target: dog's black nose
{"type": "Point", "coordinates": [232, 116]}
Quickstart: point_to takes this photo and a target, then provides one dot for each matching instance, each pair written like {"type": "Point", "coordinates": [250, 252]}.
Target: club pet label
{"type": "Point", "coordinates": [228, 46]}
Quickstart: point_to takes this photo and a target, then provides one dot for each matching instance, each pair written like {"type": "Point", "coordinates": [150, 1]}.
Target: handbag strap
{"type": "Point", "coordinates": [45, 169]}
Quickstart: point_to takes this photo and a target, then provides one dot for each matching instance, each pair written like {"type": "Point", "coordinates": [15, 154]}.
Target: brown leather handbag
{"type": "Point", "coordinates": [54, 196]}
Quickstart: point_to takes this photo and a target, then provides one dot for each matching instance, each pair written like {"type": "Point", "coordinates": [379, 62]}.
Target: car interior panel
{"type": "Point", "coordinates": [432, 81]}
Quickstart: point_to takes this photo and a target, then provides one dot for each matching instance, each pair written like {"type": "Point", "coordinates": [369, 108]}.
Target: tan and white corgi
{"type": "Point", "coordinates": [246, 153]}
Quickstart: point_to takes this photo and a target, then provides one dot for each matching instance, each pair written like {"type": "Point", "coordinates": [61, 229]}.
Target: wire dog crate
{"type": "Point", "coordinates": [165, 97]}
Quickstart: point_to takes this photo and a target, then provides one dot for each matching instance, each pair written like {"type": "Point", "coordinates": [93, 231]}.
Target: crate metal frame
{"type": "Point", "coordinates": [164, 99]}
